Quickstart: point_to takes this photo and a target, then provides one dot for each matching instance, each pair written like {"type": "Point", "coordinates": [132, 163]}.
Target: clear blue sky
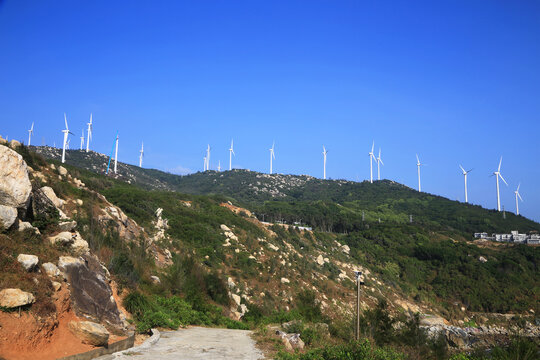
{"type": "Point", "coordinates": [454, 81]}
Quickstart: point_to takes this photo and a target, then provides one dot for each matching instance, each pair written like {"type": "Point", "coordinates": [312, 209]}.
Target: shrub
{"type": "Point", "coordinates": [307, 306]}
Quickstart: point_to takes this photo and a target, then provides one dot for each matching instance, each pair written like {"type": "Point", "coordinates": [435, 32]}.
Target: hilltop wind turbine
{"type": "Point", "coordinates": [418, 164]}
{"type": "Point", "coordinates": [89, 133]}
{"type": "Point", "coordinates": [30, 133]}
{"type": "Point", "coordinates": [82, 138]}
{"type": "Point", "coordinates": [379, 162]}
{"type": "Point", "coordinates": [324, 152]}
{"type": "Point", "coordinates": [231, 153]}
{"type": "Point", "coordinates": [208, 157]}
{"type": "Point", "coordinates": [219, 166]}
{"type": "Point", "coordinates": [371, 157]}
{"type": "Point", "coordinates": [518, 195]}
{"type": "Point", "coordinates": [465, 173]}
{"type": "Point", "coordinates": [498, 175]}
{"type": "Point", "coordinates": [65, 143]}
{"type": "Point", "coordinates": [141, 154]}
{"type": "Point", "coordinates": [116, 156]}
{"type": "Point", "coordinates": [204, 167]}
{"type": "Point", "coordinates": [272, 156]}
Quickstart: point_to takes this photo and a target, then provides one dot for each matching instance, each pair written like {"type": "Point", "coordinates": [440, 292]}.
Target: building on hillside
{"type": "Point", "coordinates": [514, 236]}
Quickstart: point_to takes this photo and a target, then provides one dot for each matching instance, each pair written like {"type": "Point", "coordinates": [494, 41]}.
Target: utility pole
{"type": "Point", "coordinates": [359, 281]}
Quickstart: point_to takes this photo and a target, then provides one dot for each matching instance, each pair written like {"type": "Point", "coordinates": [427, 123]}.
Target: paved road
{"type": "Point", "coordinates": [197, 343]}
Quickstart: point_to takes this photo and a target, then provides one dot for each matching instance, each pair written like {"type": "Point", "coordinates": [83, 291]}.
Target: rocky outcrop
{"type": "Point", "coordinates": [91, 294]}
{"type": "Point", "coordinates": [29, 262]}
{"type": "Point", "coordinates": [8, 215]}
{"type": "Point", "coordinates": [51, 269]}
{"type": "Point", "coordinates": [49, 193]}
{"type": "Point", "coordinates": [12, 298]}
{"type": "Point", "coordinates": [15, 186]}
{"type": "Point", "coordinates": [89, 332]}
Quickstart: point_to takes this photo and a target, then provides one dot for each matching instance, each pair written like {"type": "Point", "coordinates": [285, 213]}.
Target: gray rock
{"type": "Point", "coordinates": [8, 215]}
{"type": "Point", "coordinates": [67, 225]}
{"type": "Point", "coordinates": [23, 225]}
{"type": "Point", "coordinates": [42, 207]}
{"type": "Point", "coordinates": [64, 238]}
{"type": "Point", "coordinates": [51, 269]}
{"type": "Point", "coordinates": [15, 187]}
{"type": "Point", "coordinates": [49, 192]}
{"type": "Point", "coordinates": [89, 332]}
{"type": "Point", "coordinates": [29, 262]}
{"type": "Point", "coordinates": [11, 298]}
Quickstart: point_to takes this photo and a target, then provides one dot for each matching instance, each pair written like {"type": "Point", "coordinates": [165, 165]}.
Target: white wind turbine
{"type": "Point", "coordinates": [116, 156]}
{"type": "Point", "coordinates": [324, 152]}
{"type": "Point", "coordinates": [231, 153]}
{"type": "Point", "coordinates": [204, 167]}
{"type": "Point", "coordinates": [371, 157]}
{"type": "Point", "coordinates": [89, 132]}
{"type": "Point", "coordinates": [141, 154]}
{"type": "Point", "coordinates": [30, 133]}
{"type": "Point", "coordinates": [272, 156]}
{"type": "Point", "coordinates": [418, 164]}
{"type": "Point", "coordinates": [518, 195]}
{"type": "Point", "coordinates": [379, 162]}
{"type": "Point", "coordinates": [208, 157]}
{"type": "Point", "coordinates": [219, 166]}
{"type": "Point", "coordinates": [82, 138]}
{"type": "Point", "coordinates": [465, 173]}
{"type": "Point", "coordinates": [65, 143]}
{"type": "Point", "coordinates": [498, 175]}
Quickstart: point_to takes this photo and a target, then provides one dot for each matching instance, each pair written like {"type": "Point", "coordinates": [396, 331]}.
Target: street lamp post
{"type": "Point", "coordinates": [359, 281]}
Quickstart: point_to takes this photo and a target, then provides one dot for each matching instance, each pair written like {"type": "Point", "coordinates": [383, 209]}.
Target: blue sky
{"type": "Point", "coordinates": [454, 81]}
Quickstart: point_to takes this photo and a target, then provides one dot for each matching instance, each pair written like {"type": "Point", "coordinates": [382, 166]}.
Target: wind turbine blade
{"type": "Point", "coordinates": [500, 162]}
{"type": "Point", "coordinates": [417, 159]}
{"type": "Point", "coordinates": [503, 179]}
{"type": "Point", "coordinates": [518, 187]}
{"type": "Point", "coordinates": [462, 169]}
{"type": "Point", "coordinates": [65, 120]}
{"type": "Point", "coordinates": [381, 161]}
{"type": "Point", "coordinates": [470, 170]}
{"type": "Point", "coordinates": [518, 194]}
{"type": "Point", "coordinates": [32, 128]}
{"type": "Point", "coordinates": [373, 146]}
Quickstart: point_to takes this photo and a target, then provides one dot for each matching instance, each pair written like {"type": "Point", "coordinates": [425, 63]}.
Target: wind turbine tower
{"type": "Point", "coordinates": [324, 152]}
{"type": "Point", "coordinates": [116, 156]}
{"type": "Point", "coordinates": [371, 157]}
{"type": "Point", "coordinates": [204, 167]}
{"type": "Point", "coordinates": [379, 162]}
{"type": "Point", "coordinates": [30, 133]}
{"type": "Point", "coordinates": [208, 157]}
{"type": "Point", "coordinates": [89, 133]}
{"type": "Point", "coordinates": [231, 153]}
{"type": "Point", "coordinates": [272, 156]}
{"type": "Point", "coordinates": [518, 195]}
{"type": "Point", "coordinates": [418, 164]}
{"type": "Point", "coordinates": [465, 173]}
{"type": "Point", "coordinates": [497, 176]}
{"type": "Point", "coordinates": [219, 166]}
{"type": "Point", "coordinates": [65, 143]}
{"type": "Point", "coordinates": [141, 154]}
{"type": "Point", "coordinates": [82, 139]}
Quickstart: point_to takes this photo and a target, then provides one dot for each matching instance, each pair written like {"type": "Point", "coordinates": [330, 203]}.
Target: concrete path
{"type": "Point", "coordinates": [197, 343]}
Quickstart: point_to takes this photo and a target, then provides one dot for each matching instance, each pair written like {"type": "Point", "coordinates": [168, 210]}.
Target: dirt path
{"type": "Point", "coordinates": [198, 343]}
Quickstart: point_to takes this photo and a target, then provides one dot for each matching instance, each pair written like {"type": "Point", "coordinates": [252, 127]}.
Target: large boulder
{"type": "Point", "coordinates": [12, 298]}
{"type": "Point", "coordinates": [51, 269]}
{"type": "Point", "coordinates": [29, 262]}
{"type": "Point", "coordinates": [15, 186]}
{"type": "Point", "coordinates": [89, 332]}
{"type": "Point", "coordinates": [8, 215]}
{"type": "Point", "coordinates": [64, 238]}
{"type": "Point", "coordinates": [49, 192]}
{"type": "Point", "coordinates": [91, 294]}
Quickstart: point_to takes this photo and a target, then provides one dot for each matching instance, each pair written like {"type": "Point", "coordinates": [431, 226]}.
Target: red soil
{"type": "Point", "coordinates": [30, 337]}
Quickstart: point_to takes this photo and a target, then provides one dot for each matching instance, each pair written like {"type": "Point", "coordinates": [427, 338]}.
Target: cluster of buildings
{"type": "Point", "coordinates": [514, 236]}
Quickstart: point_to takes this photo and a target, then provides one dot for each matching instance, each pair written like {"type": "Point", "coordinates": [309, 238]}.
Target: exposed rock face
{"type": "Point", "coordinates": [23, 225]}
{"type": "Point", "coordinates": [89, 332]}
{"type": "Point", "coordinates": [29, 262]}
{"type": "Point", "coordinates": [8, 215]}
{"type": "Point", "coordinates": [15, 186]}
{"type": "Point", "coordinates": [11, 298]}
{"type": "Point", "coordinates": [67, 225]}
{"type": "Point", "coordinates": [65, 237]}
{"type": "Point", "coordinates": [49, 192]}
{"type": "Point", "coordinates": [90, 291]}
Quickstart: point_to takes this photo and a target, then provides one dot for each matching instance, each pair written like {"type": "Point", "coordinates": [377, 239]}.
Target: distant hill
{"type": "Point", "coordinates": [329, 205]}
